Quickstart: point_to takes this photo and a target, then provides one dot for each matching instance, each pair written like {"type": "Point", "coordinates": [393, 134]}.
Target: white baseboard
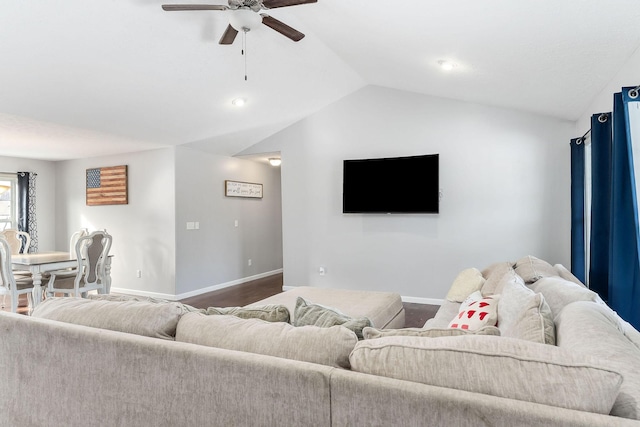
{"type": "Point", "coordinates": [417, 300]}
{"type": "Point", "coordinates": [171, 297]}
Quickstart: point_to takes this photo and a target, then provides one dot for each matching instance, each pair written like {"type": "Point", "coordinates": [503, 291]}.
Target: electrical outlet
{"type": "Point", "coordinates": [190, 225]}
{"type": "Point", "coordinates": [249, 262]}
{"type": "Point", "coordinates": [322, 270]}
{"type": "Point", "coordinates": [138, 273]}
{"type": "Point", "coordinates": [235, 223]}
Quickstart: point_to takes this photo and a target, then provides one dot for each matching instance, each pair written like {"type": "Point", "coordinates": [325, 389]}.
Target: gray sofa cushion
{"type": "Point", "coordinates": [325, 346]}
{"type": "Point", "coordinates": [135, 317]}
{"type": "Point", "coordinates": [592, 328]}
{"type": "Point", "coordinates": [307, 313]}
{"type": "Point", "coordinates": [373, 333]}
{"type": "Point", "coordinates": [496, 366]}
{"type": "Point", "coordinates": [532, 269]}
{"type": "Point", "coordinates": [268, 313]}
{"type": "Point", "coordinates": [559, 292]}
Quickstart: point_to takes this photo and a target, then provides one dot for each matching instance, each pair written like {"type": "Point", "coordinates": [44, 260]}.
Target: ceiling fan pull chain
{"type": "Point", "coordinates": [244, 51]}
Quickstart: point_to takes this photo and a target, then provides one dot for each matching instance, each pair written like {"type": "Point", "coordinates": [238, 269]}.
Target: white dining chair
{"type": "Point", "coordinates": [91, 251]}
{"type": "Point", "coordinates": [74, 239]}
{"type": "Point", "coordinates": [69, 272]}
{"type": "Point", "coordinates": [9, 285]}
{"type": "Point", "coordinates": [19, 241]}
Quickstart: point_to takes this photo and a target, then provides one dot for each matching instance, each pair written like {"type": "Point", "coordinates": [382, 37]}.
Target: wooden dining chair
{"type": "Point", "coordinates": [91, 251]}
{"type": "Point", "coordinates": [9, 285]}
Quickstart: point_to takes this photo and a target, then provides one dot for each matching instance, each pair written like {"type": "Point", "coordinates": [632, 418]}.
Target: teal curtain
{"type": "Point", "coordinates": [614, 246]}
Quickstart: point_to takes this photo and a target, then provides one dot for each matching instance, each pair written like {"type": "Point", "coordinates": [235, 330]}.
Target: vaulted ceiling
{"type": "Point", "coordinates": [82, 78]}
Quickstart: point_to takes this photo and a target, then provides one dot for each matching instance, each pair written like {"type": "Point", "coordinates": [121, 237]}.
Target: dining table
{"type": "Point", "coordinates": [43, 262]}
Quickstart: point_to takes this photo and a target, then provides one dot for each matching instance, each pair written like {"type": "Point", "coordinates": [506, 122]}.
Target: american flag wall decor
{"type": "Point", "coordinates": [107, 186]}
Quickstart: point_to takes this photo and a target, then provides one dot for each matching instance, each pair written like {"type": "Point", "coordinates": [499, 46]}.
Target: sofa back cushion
{"type": "Point", "coordinates": [559, 292]}
{"type": "Point", "coordinates": [373, 333]}
{"type": "Point", "coordinates": [326, 346]}
{"type": "Point", "coordinates": [592, 328]}
{"type": "Point", "coordinates": [496, 366]}
{"type": "Point", "coordinates": [134, 317]}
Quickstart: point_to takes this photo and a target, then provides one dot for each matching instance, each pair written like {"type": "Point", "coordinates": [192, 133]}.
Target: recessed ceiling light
{"type": "Point", "coordinates": [239, 102]}
{"type": "Point", "coordinates": [447, 65]}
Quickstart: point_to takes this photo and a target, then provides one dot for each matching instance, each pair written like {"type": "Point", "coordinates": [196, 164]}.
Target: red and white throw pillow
{"type": "Point", "coordinates": [476, 312]}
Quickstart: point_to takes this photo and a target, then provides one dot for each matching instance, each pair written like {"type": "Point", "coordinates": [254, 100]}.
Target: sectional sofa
{"type": "Point", "coordinates": [557, 356]}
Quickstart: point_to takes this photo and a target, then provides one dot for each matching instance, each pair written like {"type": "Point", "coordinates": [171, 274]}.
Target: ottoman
{"type": "Point", "coordinates": [384, 309]}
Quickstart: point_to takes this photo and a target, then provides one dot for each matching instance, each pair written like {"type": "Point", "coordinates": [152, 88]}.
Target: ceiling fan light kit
{"type": "Point", "coordinates": [244, 19]}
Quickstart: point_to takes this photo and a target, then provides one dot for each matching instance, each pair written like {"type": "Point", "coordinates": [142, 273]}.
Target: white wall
{"type": "Point", "coordinates": [167, 188]}
{"type": "Point", "coordinates": [143, 230]}
{"type": "Point", "coordinates": [45, 195]}
{"type": "Point", "coordinates": [218, 252]}
{"type": "Point", "coordinates": [505, 179]}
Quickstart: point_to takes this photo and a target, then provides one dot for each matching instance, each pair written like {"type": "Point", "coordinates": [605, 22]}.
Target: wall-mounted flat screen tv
{"type": "Point", "coordinates": [392, 185]}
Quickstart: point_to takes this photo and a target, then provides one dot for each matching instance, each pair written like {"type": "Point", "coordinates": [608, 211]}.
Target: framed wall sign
{"type": "Point", "coordinates": [242, 189]}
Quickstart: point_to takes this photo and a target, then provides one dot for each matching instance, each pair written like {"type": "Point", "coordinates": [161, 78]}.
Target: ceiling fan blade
{"type": "Point", "coordinates": [174, 7]}
{"type": "Point", "coordinates": [272, 4]}
{"type": "Point", "coordinates": [282, 28]}
{"type": "Point", "coordinates": [229, 35]}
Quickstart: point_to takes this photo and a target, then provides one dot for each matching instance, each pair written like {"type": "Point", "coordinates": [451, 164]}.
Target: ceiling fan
{"type": "Point", "coordinates": [246, 15]}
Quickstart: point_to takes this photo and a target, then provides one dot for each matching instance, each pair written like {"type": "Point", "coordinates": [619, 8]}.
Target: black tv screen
{"type": "Point", "coordinates": [391, 185]}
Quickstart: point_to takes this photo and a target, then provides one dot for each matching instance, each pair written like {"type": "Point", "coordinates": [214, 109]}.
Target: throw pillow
{"type": "Point", "coordinates": [494, 274]}
{"type": "Point", "coordinates": [476, 312]}
{"type": "Point", "coordinates": [532, 269]}
{"type": "Point", "coordinates": [497, 366]}
{"type": "Point", "coordinates": [466, 282]}
{"type": "Point", "coordinates": [269, 313]}
{"type": "Point", "coordinates": [134, 317]}
{"type": "Point", "coordinates": [325, 346]}
{"type": "Point", "coordinates": [307, 313]}
{"type": "Point", "coordinates": [373, 333]}
{"type": "Point", "coordinates": [523, 314]}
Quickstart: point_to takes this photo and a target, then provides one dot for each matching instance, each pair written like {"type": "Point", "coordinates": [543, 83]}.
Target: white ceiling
{"type": "Point", "coordinates": [82, 78]}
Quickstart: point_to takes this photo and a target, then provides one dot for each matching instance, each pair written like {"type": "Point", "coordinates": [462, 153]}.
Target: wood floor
{"type": "Point", "coordinates": [256, 290]}
{"type": "Point", "coordinates": [247, 293]}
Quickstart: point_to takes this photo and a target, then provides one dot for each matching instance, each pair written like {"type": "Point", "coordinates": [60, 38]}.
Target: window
{"type": "Point", "coordinates": [8, 201]}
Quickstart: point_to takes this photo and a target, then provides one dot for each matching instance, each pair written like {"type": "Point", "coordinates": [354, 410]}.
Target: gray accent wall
{"type": "Point", "coordinates": [504, 175]}
{"type": "Point", "coordinates": [218, 252]}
